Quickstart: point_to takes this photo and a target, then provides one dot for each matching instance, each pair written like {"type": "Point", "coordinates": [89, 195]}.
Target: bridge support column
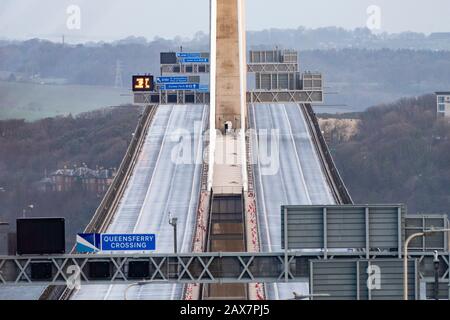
{"type": "Point", "coordinates": [228, 80]}
{"type": "Point", "coordinates": [230, 61]}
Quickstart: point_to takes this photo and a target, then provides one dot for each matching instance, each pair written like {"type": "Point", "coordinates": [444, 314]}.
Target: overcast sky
{"type": "Point", "coordinates": [115, 19]}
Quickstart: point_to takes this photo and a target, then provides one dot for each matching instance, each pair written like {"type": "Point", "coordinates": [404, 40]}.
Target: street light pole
{"type": "Point", "coordinates": [405, 256]}
{"type": "Point", "coordinates": [173, 222]}
{"type": "Point", "coordinates": [436, 275]}
{"type": "Point", "coordinates": [405, 262]}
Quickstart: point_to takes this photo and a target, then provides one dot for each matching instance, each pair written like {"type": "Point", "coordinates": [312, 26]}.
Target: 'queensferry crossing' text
{"type": "Point", "coordinates": [123, 242]}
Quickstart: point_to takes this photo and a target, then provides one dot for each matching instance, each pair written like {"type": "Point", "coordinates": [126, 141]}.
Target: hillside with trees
{"type": "Point", "coordinates": [30, 151]}
{"type": "Point", "coordinates": [400, 154]}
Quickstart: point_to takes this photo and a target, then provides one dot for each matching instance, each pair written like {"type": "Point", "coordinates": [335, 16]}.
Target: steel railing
{"type": "Point", "coordinates": [335, 181]}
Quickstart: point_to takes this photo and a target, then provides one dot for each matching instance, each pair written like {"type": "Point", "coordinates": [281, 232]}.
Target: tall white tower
{"type": "Point", "coordinates": [228, 83]}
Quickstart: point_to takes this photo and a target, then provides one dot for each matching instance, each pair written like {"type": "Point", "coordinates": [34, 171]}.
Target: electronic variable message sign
{"type": "Point", "coordinates": [37, 236]}
{"type": "Point", "coordinates": [143, 83]}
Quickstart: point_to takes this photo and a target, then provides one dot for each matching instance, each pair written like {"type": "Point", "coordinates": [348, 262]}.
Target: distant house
{"type": "Point", "coordinates": [64, 180]}
{"type": "Point", "coordinates": [443, 103]}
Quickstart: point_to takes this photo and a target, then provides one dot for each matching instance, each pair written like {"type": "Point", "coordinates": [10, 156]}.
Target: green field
{"type": "Point", "coordinates": [32, 101]}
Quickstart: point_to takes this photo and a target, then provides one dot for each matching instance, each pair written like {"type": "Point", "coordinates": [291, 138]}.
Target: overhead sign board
{"type": "Point", "coordinates": [189, 54]}
{"type": "Point", "coordinates": [362, 279]}
{"type": "Point", "coordinates": [88, 243]}
{"type": "Point", "coordinates": [195, 60]}
{"type": "Point", "coordinates": [92, 242]}
{"type": "Point", "coordinates": [366, 227]}
{"type": "Point", "coordinates": [41, 236]}
{"type": "Point", "coordinates": [168, 58]}
{"type": "Point", "coordinates": [172, 80]}
{"type": "Point", "coordinates": [143, 83]}
{"type": "Point", "coordinates": [180, 86]}
{"type": "Point", "coordinates": [128, 242]}
{"type": "Point", "coordinates": [203, 88]}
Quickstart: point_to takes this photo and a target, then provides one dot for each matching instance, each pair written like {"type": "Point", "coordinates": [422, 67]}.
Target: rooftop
{"type": "Point", "coordinates": [84, 173]}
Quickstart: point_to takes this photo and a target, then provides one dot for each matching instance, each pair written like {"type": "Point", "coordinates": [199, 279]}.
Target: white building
{"type": "Point", "coordinates": [443, 104]}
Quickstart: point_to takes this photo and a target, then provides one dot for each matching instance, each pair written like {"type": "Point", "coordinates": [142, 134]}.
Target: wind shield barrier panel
{"type": "Point", "coordinates": [368, 228]}
{"type": "Point", "coordinates": [362, 279]}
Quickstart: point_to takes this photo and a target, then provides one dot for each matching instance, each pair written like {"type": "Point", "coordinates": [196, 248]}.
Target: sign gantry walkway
{"type": "Point", "coordinates": [349, 245]}
{"type": "Point", "coordinates": [170, 268]}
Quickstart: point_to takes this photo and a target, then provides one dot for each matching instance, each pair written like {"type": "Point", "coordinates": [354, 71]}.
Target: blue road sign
{"type": "Point", "coordinates": [172, 79]}
{"type": "Point", "coordinates": [188, 54]}
{"type": "Point", "coordinates": [180, 86]}
{"type": "Point", "coordinates": [128, 242]}
{"type": "Point", "coordinates": [195, 60]}
{"type": "Point", "coordinates": [88, 243]}
{"type": "Point", "coordinates": [203, 88]}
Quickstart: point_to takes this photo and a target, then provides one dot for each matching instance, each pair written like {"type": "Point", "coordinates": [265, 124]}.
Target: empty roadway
{"type": "Point", "coordinates": [298, 178]}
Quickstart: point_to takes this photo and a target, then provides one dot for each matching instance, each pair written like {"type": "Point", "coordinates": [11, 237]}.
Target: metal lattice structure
{"type": "Point", "coordinates": [179, 68]}
{"type": "Point", "coordinates": [272, 67]}
{"type": "Point", "coordinates": [172, 97]}
{"type": "Point", "coordinates": [256, 96]}
{"type": "Point", "coordinates": [186, 268]}
{"type": "Point", "coordinates": [170, 268]}
{"type": "Point", "coordinates": [285, 96]}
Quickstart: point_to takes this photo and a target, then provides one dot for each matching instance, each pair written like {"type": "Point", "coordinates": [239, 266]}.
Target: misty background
{"type": "Point", "coordinates": [49, 66]}
{"type": "Point", "coordinates": [112, 20]}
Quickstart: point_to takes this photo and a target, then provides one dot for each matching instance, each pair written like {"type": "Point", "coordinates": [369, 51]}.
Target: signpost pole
{"type": "Point", "coordinates": [173, 223]}
{"type": "Point", "coordinates": [405, 256]}
{"type": "Point", "coordinates": [436, 275]}
{"type": "Point", "coordinates": [175, 237]}
{"type": "Point", "coordinates": [286, 246]}
{"type": "Point", "coordinates": [405, 263]}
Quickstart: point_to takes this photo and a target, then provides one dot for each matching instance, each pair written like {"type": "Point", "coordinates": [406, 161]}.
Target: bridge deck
{"type": "Point", "coordinates": [161, 184]}
{"type": "Point", "coordinates": [295, 177]}
{"type": "Point", "coordinates": [165, 179]}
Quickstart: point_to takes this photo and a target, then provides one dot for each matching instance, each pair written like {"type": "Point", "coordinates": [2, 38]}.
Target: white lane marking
{"type": "Point", "coordinates": [169, 123]}
{"type": "Point", "coordinates": [198, 164]}
{"type": "Point", "coordinates": [316, 156]}
{"type": "Point", "coordinates": [297, 156]}
{"type": "Point", "coordinates": [166, 207]}
{"type": "Point", "coordinates": [199, 153]}
{"type": "Point", "coordinates": [170, 193]}
{"type": "Point", "coordinates": [108, 292]}
{"type": "Point", "coordinates": [269, 241]}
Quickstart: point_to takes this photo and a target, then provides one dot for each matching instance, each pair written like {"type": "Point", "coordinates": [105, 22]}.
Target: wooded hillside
{"type": "Point", "coordinates": [401, 154]}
